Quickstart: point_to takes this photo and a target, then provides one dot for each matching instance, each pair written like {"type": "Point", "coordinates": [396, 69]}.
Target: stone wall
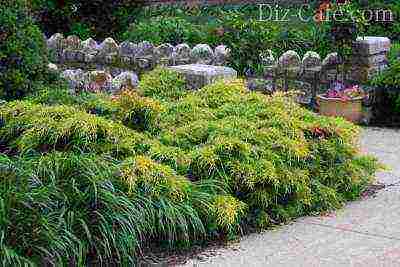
{"type": "Point", "coordinates": [71, 52]}
{"type": "Point", "coordinates": [370, 56]}
{"type": "Point", "coordinates": [109, 66]}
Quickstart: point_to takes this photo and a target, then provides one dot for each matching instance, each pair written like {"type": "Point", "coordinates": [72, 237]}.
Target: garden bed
{"type": "Point", "coordinates": [166, 166]}
{"type": "Point", "coordinates": [91, 179]}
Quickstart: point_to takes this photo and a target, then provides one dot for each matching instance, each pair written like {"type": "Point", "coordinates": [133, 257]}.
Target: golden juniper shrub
{"type": "Point", "coordinates": [102, 105]}
{"type": "Point", "coordinates": [221, 157]}
{"type": "Point", "coordinates": [228, 211]}
{"type": "Point", "coordinates": [139, 113]}
{"type": "Point", "coordinates": [42, 128]}
{"type": "Point", "coordinates": [190, 108]}
{"type": "Point", "coordinates": [205, 163]}
{"type": "Point", "coordinates": [174, 157]}
{"type": "Point", "coordinates": [223, 92]}
{"type": "Point", "coordinates": [229, 148]}
{"type": "Point", "coordinates": [142, 173]}
{"type": "Point", "coordinates": [163, 83]}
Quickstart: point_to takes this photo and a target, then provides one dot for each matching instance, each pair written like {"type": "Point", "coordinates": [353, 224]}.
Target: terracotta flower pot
{"type": "Point", "coordinates": [351, 109]}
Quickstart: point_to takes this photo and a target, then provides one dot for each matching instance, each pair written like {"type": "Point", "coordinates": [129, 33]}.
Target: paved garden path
{"type": "Point", "coordinates": [364, 233]}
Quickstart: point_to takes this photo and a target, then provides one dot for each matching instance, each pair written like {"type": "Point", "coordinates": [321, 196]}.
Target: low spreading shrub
{"type": "Point", "coordinates": [81, 186]}
{"type": "Point", "coordinates": [162, 84]}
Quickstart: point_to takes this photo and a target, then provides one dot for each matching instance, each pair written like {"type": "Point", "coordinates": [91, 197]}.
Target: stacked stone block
{"type": "Point", "coordinates": [369, 58]}
{"type": "Point", "coordinates": [200, 75]}
{"type": "Point", "coordinates": [71, 52]}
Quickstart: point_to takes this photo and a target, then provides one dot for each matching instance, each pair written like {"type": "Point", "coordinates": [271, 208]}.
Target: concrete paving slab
{"type": "Point", "coordinates": [307, 245]}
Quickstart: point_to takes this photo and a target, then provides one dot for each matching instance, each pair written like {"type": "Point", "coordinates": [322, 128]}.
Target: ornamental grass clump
{"type": "Point", "coordinates": [81, 184]}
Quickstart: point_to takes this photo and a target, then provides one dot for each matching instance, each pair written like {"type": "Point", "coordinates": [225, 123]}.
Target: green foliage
{"type": "Point", "coordinates": [376, 27]}
{"type": "Point", "coordinates": [81, 30]}
{"type": "Point", "coordinates": [40, 129]}
{"type": "Point", "coordinates": [160, 30]}
{"type": "Point", "coordinates": [98, 17]}
{"type": "Point", "coordinates": [162, 84]}
{"type": "Point", "coordinates": [23, 54]}
{"type": "Point", "coordinates": [239, 27]}
{"type": "Point", "coordinates": [387, 106]}
{"type": "Point", "coordinates": [271, 154]}
{"type": "Point", "coordinates": [79, 187]}
{"type": "Point", "coordinates": [391, 76]}
{"type": "Point", "coordinates": [140, 113]}
{"type": "Point", "coordinates": [53, 93]}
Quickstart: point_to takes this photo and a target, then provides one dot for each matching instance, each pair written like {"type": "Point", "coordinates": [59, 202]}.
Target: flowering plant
{"type": "Point", "coordinates": [346, 94]}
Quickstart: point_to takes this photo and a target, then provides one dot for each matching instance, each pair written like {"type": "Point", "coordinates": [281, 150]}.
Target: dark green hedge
{"type": "Point", "coordinates": [94, 18]}
{"type": "Point", "coordinates": [23, 52]}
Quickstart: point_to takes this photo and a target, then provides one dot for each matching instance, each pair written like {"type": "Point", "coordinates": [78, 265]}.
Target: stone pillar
{"type": "Point", "coordinates": [370, 58]}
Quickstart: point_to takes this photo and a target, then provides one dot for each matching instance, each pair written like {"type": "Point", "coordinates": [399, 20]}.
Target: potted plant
{"type": "Point", "coordinates": [344, 99]}
{"type": "Point", "coordinates": [341, 101]}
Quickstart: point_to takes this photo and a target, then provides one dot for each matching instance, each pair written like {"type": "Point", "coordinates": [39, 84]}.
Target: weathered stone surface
{"type": "Point", "coordinates": [144, 64]}
{"type": "Point", "coordinates": [52, 67]}
{"type": "Point", "coordinates": [289, 62]}
{"type": "Point", "coordinates": [72, 52]}
{"type": "Point", "coordinates": [269, 63]}
{"type": "Point", "coordinates": [311, 60]}
{"type": "Point", "coordinates": [73, 42]}
{"type": "Point", "coordinates": [55, 42]}
{"type": "Point", "coordinates": [364, 74]}
{"type": "Point", "coordinates": [183, 50]}
{"type": "Point", "coordinates": [199, 75]}
{"type": "Point", "coordinates": [290, 58]}
{"type": "Point", "coordinates": [89, 51]}
{"type": "Point", "coordinates": [97, 81]}
{"type": "Point", "coordinates": [202, 54]}
{"type": "Point", "coordinates": [72, 48]}
{"type": "Point", "coordinates": [221, 55]}
{"type": "Point", "coordinates": [145, 49]}
{"type": "Point", "coordinates": [126, 79]}
{"type": "Point", "coordinates": [331, 61]}
{"type": "Point", "coordinates": [89, 58]}
{"type": "Point", "coordinates": [114, 71]}
{"type": "Point", "coordinates": [260, 85]}
{"type": "Point", "coordinates": [370, 45]}
{"type": "Point", "coordinates": [108, 46]}
{"type": "Point", "coordinates": [267, 58]}
{"type": "Point", "coordinates": [75, 79]}
{"type": "Point", "coordinates": [369, 60]}
{"type": "Point", "coordinates": [181, 54]}
{"type": "Point", "coordinates": [89, 45]}
{"type": "Point", "coordinates": [128, 49]}
{"type": "Point", "coordinates": [163, 54]}
{"type": "Point", "coordinates": [311, 65]}
{"type": "Point", "coordinates": [108, 52]}
{"type": "Point", "coordinates": [164, 50]}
